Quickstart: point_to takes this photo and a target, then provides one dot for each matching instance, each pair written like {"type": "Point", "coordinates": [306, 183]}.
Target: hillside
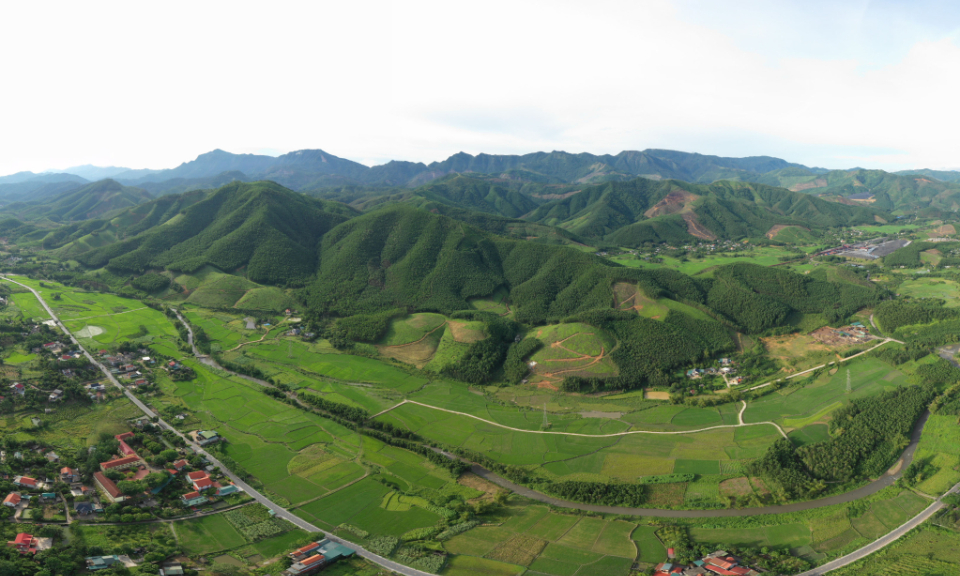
{"type": "Point", "coordinates": [631, 213]}
{"type": "Point", "coordinates": [875, 188]}
{"type": "Point", "coordinates": [268, 231]}
{"type": "Point", "coordinates": [90, 201]}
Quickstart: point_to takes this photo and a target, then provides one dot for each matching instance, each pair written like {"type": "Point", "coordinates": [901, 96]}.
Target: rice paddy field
{"type": "Point", "coordinates": [764, 256]}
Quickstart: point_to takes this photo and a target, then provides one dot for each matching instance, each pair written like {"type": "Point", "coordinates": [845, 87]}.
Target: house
{"type": "Point", "coordinates": [102, 562]}
{"type": "Point", "coordinates": [694, 373]}
{"type": "Point", "coordinates": [109, 488]}
{"type": "Point", "coordinates": [52, 457]}
{"type": "Point", "coordinates": [49, 495]}
{"type": "Point", "coordinates": [193, 499]}
{"type": "Point", "coordinates": [18, 388]}
{"type": "Point", "coordinates": [171, 569]}
{"type": "Point", "coordinates": [12, 500]}
{"type": "Point", "coordinates": [25, 543]}
{"type": "Point", "coordinates": [120, 463]}
{"type": "Point", "coordinates": [179, 465]}
{"type": "Point", "coordinates": [25, 482]}
{"type": "Point", "coordinates": [324, 554]}
{"type": "Point", "coordinates": [725, 362]}
{"type": "Point", "coordinates": [305, 552]}
{"type": "Point", "coordinates": [200, 481]}
{"type": "Point", "coordinates": [124, 436]}
{"type": "Point", "coordinates": [140, 382]}
{"type": "Point", "coordinates": [228, 489]}
{"type": "Point", "coordinates": [205, 437]}
{"type": "Point", "coordinates": [56, 395]}
{"type": "Point", "coordinates": [69, 475]}
{"type": "Point", "coordinates": [83, 508]}
{"type": "Point", "coordinates": [126, 450]}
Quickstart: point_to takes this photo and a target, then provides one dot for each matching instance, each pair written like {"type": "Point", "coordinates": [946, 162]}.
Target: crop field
{"type": "Point", "coordinates": [939, 288]}
{"type": "Point", "coordinates": [551, 543]}
{"type": "Point", "coordinates": [797, 406]}
{"type": "Point", "coordinates": [928, 551]}
{"type": "Point", "coordinates": [116, 538]}
{"type": "Point", "coordinates": [362, 505]}
{"type": "Point", "coordinates": [265, 435]}
{"type": "Point", "coordinates": [209, 534]}
{"type": "Point", "coordinates": [415, 339]}
{"type": "Point", "coordinates": [938, 448]}
{"type": "Point", "coordinates": [309, 359]}
{"type": "Point", "coordinates": [764, 256]}
{"type": "Point", "coordinates": [412, 328]}
{"type": "Point", "coordinates": [627, 457]}
{"type": "Point", "coordinates": [782, 535]}
{"type": "Point", "coordinates": [73, 426]}
{"type": "Point", "coordinates": [225, 331]}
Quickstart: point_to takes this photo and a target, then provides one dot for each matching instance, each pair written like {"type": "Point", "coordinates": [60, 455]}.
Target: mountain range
{"type": "Point", "coordinates": [927, 192]}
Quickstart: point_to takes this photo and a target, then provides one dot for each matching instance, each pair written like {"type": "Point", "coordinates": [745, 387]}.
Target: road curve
{"type": "Point", "coordinates": [280, 511]}
{"type": "Point", "coordinates": [872, 488]}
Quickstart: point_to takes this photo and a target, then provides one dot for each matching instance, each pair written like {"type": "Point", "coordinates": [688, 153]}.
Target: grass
{"type": "Point", "coordinates": [939, 288]}
{"type": "Point", "coordinates": [471, 566]}
{"type": "Point", "coordinates": [209, 534]}
{"type": "Point", "coordinates": [806, 403]}
{"type": "Point", "coordinates": [651, 550]}
{"type": "Point", "coordinates": [779, 536]}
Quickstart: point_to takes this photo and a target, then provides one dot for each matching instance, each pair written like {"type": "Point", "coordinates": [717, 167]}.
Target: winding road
{"type": "Point", "coordinates": [280, 511]}
{"type": "Point", "coordinates": [887, 479]}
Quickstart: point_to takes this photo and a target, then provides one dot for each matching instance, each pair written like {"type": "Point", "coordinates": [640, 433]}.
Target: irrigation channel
{"type": "Point", "coordinates": [887, 479]}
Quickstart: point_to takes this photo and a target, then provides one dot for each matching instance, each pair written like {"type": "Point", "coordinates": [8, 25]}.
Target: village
{"type": "Point", "coordinates": [718, 563]}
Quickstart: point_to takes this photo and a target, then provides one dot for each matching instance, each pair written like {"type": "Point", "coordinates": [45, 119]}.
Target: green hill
{"type": "Point", "coordinates": [641, 210]}
{"type": "Point", "coordinates": [875, 188]}
{"type": "Point", "coordinates": [91, 201]}
{"type": "Point", "coordinates": [270, 232]}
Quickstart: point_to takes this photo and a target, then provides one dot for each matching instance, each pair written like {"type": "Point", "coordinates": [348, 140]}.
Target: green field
{"type": "Point", "coordinates": [209, 534]}
{"type": "Point", "coordinates": [764, 256]}
{"type": "Point", "coordinates": [939, 288]}
{"type": "Point", "coordinates": [796, 406]}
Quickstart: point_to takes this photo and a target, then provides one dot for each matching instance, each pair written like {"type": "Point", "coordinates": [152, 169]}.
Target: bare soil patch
{"type": "Point", "coordinates": [772, 233]}
{"type": "Point", "coordinates": [736, 487]}
{"type": "Point", "coordinates": [471, 480]}
{"type": "Point", "coordinates": [945, 230]}
{"type": "Point", "coordinates": [818, 183]}
{"type": "Point", "coordinates": [660, 495]}
{"type": "Point", "coordinates": [694, 228]}
{"type": "Point", "coordinates": [656, 395]}
{"type": "Point", "coordinates": [758, 486]}
{"type": "Point", "coordinates": [463, 333]}
{"type": "Point", "coordinates": [672, 203]}
{"type": "Point", "coordinates": [596, 414]}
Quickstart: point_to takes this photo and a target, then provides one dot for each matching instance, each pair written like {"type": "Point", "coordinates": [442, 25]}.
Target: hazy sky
{"type": "Point", "coordinates": [834, 84]}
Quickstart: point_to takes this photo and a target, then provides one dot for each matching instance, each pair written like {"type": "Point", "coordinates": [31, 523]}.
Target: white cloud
{"type": "Point", "coordinates": [128, 84]}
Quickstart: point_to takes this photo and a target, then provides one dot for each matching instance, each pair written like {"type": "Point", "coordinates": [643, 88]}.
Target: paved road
{"type": "Point", "coordinates": [883, 541]}
{"type": "Point", "coordinates": [280, 511]}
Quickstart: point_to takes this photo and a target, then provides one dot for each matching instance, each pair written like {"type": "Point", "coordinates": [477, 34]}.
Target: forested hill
{"type": "Point", "coordinates": [642, 210]}
{"type": "Point", "coordinates": [920, 193]}
{"type": "Point", "coordinates": [268, 231]}
{"type": "Point", "coordinates": [90, 201]}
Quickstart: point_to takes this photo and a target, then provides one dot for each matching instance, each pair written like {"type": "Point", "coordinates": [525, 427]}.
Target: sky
{"type": "Point", "coordinates": [150, 85]}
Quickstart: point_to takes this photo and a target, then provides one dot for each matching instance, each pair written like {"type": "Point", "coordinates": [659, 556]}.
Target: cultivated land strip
{"type": "Point", "coordinates": [612, 435]}
{"type": "Point", "coordinates": [280, 511]}
{"type": "Point", "coordinates": [883, 541]}
{"type": "Point", "coordinates": [827, 364]}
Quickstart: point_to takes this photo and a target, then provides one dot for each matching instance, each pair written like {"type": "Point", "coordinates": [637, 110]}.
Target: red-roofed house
{"type": "Point", "coordinates": [725, 563]}
{"type": "Point", "coordinates": [126, 450]}
{"type": "Point", "coordinates": [193, 499]}
{"type": "Point", "coordinates": [69, 475]}
{"type": "Point", "coordinates": [196, 475]}
{"type": "Point", "coordinates": [25, 481]}
{"type": "Point", "coordinates": [12, 500]}
{"type": "Point", "coordinates": [203, 484]}
{"type": "Point", "coordinates": [180, 464]}
{"type": "Point", "coordinates": [740, 570]}
{"type": "Point", "coordinates": [124, 436]}
{"type": "Point", "coordinates": [120, 463]}
{"type": "Point", "coordinates": [719, 570]}
{"type": "Point", "coordinates": [301, 553]}
{"type": "Point", "coordinates": [18, 388]}
{"type": "Point", "coordinates": [24, 543]}
{"type": "Point", "coordinates": [109, 488]}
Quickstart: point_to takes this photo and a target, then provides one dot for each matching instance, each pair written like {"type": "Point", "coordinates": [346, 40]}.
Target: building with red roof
{"type": "Point", "coordinates": [124, 436]}
{"type": "Point", "coordinates": [180, 464]}
{"type": "Point", "coordinates": [25, 481]}
{"type": "Point", "coordinates": [12, 500]}
{"type": "Point", "coordinates": [24, 543]}
{"type": "Point", "coordinates": [109, 488]}
{"type": "Point", "coordinates": [193, 499]}
{"type": "Point", "coordinates": [196, 475]}
{"type": "Point", "coordinates": [126, 450]}
{"type": "Point", "coordinates": [120, 463]}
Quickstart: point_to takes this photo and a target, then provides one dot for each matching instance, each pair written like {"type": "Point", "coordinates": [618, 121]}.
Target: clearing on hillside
{"type": "Point", "coordinates": [414, 339]}
{"type": "Point", "coordinates": [573, 349]}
